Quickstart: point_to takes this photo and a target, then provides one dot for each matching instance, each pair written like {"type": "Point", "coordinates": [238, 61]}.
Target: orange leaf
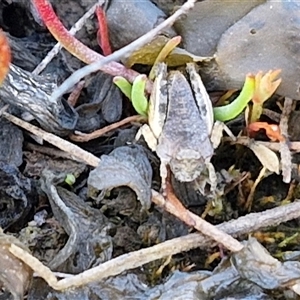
{"type": "Point", "coordinates": [272, 130]}
{"type": "Point", "coordinates": [265, 86]}
{"type": "Point", "coordinates": [5, 56]}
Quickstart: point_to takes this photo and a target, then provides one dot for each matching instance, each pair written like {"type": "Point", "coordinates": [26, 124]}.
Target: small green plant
{"type": "Point", "coordinates": [233, 109]}
{"type": "Point", "coordinates": [70, 179]}
{"type": "Point", "coordinates": [256, 88]}
{"type": "Point", "coordinates": [134, 92]}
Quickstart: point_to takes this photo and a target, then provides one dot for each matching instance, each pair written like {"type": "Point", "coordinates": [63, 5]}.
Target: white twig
{"type": "Point", "coordinates": [75, 28]}
{"type": "Point", "coordinates": [285, 152]}
{"type": "Point", "coordinates": [250, 223]}
{"type": "Point", "coordinates": [60, 143]}
{"type": "Point", "coordinates": [117, 55]}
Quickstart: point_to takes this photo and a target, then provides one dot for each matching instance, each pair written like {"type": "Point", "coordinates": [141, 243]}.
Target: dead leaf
{"type": "Point", "coordinates": [148, 54]}
{"type": "Point", "coordinates": [266, 156]}
{"type": "Point", "coordinates": [124, 166]}
{"type": "Point", "coordinates": [15, 276]}
{"type": "Point", "coordinates": [272, 130]}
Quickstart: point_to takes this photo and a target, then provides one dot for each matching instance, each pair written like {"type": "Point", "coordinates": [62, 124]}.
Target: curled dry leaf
{"type": "Point", "coordinates": [266, 156]}
{"type": "Point", "coordinates": [255, 264]}
{"type": "Point", "coordinates": [272, 130]}
{"type": "Point", "coordinates": [83, 225]}
{"type": "Point", "coordinates": [125, 166]}
{"type": "Point", "coordinates": [15, 276]}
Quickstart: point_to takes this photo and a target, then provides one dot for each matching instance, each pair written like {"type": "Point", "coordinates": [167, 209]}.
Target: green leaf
{"type": "Point", "coordinates": [70, 179]}
{"type": "Point", "coordinates": [138, 98]}
{"type": "Point", "coordinates": [232, 110]}
{"type": "Point", "coordinates": [124, 85]}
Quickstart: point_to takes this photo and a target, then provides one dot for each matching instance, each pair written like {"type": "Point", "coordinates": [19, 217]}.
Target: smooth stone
{"type": "Point", "coordinates": [266, 38]}
{"type": "Point", "coordinates": [204, 25]}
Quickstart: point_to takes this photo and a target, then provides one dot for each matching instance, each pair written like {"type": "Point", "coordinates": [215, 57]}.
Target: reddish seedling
{"type": "Point", "coordinates": [5, 56]}
{"type": "Point", "coordinates": [102, 33]}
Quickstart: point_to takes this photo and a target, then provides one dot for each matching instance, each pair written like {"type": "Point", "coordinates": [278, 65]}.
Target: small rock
{"type": "Point", "coordinates": [204, 25]}
{"type": "Point", "coordinates": [266, 38]}
{"type": "Point", "coordinates": [128, 20]}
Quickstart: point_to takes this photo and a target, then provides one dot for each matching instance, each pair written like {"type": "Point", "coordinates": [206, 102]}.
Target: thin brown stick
{"type": "Point", "coordinates": [106, 129]}
{"type": "Point", "coordinates": [74, 95]}
{"type": "Point", "coordinates": [50, 151]}
{"type": "Point", "coordinates": [242, 225]}
{"type": "Point", "coordinates": [175, 207]}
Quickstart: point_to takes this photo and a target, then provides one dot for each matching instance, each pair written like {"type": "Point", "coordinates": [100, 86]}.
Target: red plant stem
{"type": "Point", "coordinates": [102, 33]}
{"type": "Point", "coordinates": [74, 46]}
{"type": "Point", "coordinates": [5, 56]}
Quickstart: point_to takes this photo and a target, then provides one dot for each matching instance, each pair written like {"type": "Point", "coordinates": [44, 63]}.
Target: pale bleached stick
{"type": "Point", "coordinates": [249, 223]}
{"type": "Point", "coordinates": [226, 240]}
{"type": "Point", "coordinates": [62, 144]}
{"type": "Point", "coordinates": [285, 152]}
{"type": "Point", "coordinates": [123, 52]}
{"type": "Point", "coordinates": [75, 28]}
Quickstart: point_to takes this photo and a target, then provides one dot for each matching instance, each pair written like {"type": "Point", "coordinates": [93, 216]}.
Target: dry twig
{"type": "Point", "coordinates": [75, 28]}
{"type": "Point", "coordinates": [286, 157]}
{"type": "Point", "coordinates": [94, 135]}
{"type": "Point", "coordinates": [175, 207]}
{"type": "Point", "coordinates": [60, 143]}
{"type": "Point", "coordinates": [92, 160]}
{"type": "Point", "coordinates": [125, 51]}
{"type": "Point", "coordinates": [242, 225]}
